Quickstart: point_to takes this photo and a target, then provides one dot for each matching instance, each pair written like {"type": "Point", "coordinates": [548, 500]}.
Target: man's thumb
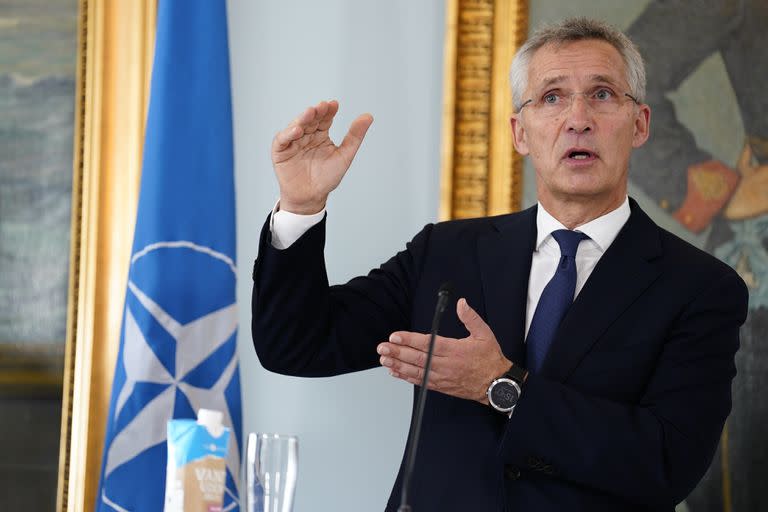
{"type": "Point", "coordinates": [355, 136]}
{"type": "Point", "coordinates": [475, 325]}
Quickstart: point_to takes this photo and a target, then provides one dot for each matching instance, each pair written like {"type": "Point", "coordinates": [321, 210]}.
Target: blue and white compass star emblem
{"type": "Point", "coordinates": [196, 341]}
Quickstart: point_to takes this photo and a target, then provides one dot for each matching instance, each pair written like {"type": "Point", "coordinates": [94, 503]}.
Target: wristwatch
{"type": "Point", "coordinates": [504, 392]}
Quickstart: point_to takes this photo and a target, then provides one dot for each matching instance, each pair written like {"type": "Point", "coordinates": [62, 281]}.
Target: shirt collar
{"type": "Point", "coordinates": [602, 230]}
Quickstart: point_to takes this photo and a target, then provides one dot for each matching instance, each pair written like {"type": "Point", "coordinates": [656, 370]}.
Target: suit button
{"type": "Point", "coordinates": [551, 470]}
{"type": "Point", "coordinates": [533, 462]}
{"type": "Point", "coordinates": [511, 472]}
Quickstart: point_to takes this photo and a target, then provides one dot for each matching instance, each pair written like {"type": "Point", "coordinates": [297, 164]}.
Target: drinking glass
{"type": "Point", "coordinates": [271, 466]}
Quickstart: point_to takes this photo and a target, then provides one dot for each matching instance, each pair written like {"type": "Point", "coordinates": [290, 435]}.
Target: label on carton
{"type": "Point", "coordinates": [197, 471]}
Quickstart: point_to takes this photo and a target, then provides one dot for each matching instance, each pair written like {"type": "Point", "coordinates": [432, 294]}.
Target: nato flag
{"type": "Point", "coordinates": [178, 342]}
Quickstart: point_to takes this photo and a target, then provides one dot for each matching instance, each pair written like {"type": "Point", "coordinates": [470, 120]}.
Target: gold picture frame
{"type": "Point", "coordinates": [481, 173]}
{"type": "Point", "coordinates": [115, 48]}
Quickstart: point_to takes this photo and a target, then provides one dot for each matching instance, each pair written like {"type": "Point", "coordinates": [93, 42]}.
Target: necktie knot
{"type": "Point", "coordinates": [568, 241]}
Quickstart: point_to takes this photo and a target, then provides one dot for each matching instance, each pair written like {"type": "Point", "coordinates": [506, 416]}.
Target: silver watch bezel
{"type": "Point", "coordinates": [489, 393]}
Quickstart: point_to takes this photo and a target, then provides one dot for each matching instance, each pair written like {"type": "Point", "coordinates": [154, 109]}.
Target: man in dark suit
{"type": "Point", "coordinates": [592, 370]}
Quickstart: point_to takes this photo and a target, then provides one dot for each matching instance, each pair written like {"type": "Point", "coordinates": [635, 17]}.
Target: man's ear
{"type": "Point", "coordinates": [518, 134]}
{"type": "Point", "coordinates": [642, 126]}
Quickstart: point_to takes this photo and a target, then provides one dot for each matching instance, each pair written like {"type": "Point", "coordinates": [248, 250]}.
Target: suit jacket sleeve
{"type": "Point", "coordinates": [302, 326]}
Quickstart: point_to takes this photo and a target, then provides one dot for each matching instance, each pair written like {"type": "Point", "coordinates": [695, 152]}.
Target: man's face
{"type": "Point", "coordinates": [579, 154]}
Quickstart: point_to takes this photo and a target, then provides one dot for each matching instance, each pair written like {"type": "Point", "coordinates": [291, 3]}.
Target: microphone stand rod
{"type": "Point", "coordinates": [416, 425]}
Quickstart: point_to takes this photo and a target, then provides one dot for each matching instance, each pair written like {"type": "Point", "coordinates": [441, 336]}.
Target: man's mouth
{"type": "Point", "coordinates": [580, 154]}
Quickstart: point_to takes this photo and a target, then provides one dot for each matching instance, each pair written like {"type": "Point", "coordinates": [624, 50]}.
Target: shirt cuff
{"type": "Point", "coordinates": [287, 227]}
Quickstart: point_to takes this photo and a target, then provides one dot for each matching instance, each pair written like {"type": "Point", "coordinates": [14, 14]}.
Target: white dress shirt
{"type": "Point", "coordinates": [287, 227]}
{"type": "Point", "coordinates": [601, 232]}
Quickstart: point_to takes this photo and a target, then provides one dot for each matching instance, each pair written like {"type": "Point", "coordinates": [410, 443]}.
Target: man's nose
{"type": "Point", "coordinates": [579, 115]}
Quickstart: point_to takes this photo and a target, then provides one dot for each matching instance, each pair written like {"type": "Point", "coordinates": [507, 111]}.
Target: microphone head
{"type": "Point", "coordinates": [446, 290]}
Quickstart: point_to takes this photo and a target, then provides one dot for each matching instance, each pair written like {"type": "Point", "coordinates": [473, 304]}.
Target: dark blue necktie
{"type": "Point", "coordinates": [555, 299]}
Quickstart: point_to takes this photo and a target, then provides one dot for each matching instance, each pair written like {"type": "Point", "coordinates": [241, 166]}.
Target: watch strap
{"type": "Point", "coordinates": [517, 374]}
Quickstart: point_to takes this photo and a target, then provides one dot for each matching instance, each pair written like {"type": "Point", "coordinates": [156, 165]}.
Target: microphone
{"type": "Point", "coordinates": [443, 295]}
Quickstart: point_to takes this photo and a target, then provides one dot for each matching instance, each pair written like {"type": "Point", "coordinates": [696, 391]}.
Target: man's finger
{"type": "Point", "coordinates": [408, 355]}
{"type": "Point", "coordinates": [420, 341]}
{"type": "Point", "coordinates": [321, 109]}
{"type": "Point", "coordinates": [415, 375]}
{"type": "Point", "coordinates": [296, 129]}
{"type": "Point", "coordinates": [284, 138]}
{"type": "Point", "coordinates": [313, 124]}
{"type": "Point", "coordinates": [355, 136]}
{"type": "Point", "coordinates": [306, 118]}
{"type": "Point", "coordinates": [416, 340]}
{"type": "Point", "coordinates": [475, 325]}
{"type": "Point", "coordinates": [326, 120]}
{"type": "Point", "coordinates": [402, 368]}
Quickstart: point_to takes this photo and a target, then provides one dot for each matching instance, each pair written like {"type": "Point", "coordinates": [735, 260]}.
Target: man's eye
{"type": "Point", "coordinates": [550, 98]}
{"type": "Point", "coordinates": [603, 94]}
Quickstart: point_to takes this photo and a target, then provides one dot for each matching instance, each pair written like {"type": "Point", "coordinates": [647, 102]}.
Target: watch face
{"type": "Point", "coordinates": [504, 394]}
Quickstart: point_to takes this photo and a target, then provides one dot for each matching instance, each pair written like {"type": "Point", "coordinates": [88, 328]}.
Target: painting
{"type": "Point", "coordinates": [705, 168]}
{"type": "Point", "coordinates": [38, 59]}
{"type": "Point", "coordinates": [38, 53]}
{"type": "Point", "coordinates": [703, 174]}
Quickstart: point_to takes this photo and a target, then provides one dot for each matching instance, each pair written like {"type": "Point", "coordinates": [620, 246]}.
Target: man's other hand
{"type": "Point", "coordinates": [463, 368]}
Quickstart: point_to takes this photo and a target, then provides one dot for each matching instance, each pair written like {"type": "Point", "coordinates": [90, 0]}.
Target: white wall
{"type": "Point", "coordinates": [379, 57]}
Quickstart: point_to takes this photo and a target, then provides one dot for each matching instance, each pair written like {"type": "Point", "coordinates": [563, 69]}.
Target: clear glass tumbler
{"type": "Point", "coordinates": [271, 467]}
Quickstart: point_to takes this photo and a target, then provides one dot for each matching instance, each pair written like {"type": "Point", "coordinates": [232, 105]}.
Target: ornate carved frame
{"type": "Point", "coordinates": [481, 173]}
{"type": "Point", "coordinates": [115, 48]}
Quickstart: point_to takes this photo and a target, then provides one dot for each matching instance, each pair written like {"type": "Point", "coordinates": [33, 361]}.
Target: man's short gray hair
{"type": "Point", "coordinates": [577, 29]}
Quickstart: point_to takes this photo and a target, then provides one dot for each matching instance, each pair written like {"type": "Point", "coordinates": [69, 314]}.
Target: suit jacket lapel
{"type": "Point", "coordinates": [621, 275]}
{"type": "Point", "coordinates": [505, 263]}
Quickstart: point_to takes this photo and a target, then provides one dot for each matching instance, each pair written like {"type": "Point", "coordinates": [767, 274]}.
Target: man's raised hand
{"type": "Point", "coordinates": [307, 163]}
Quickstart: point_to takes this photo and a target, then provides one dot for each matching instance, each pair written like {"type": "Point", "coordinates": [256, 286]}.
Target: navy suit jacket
{"type": "Point", "coordinates": [628, 407]}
